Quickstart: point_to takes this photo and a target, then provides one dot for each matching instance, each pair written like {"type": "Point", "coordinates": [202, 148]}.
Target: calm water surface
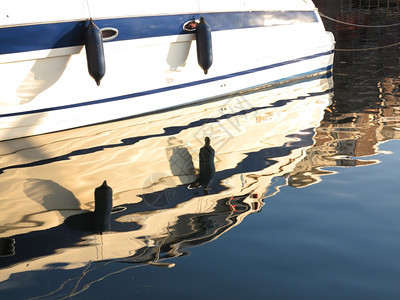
{"type": "Point", "coordinates": [303, 204]}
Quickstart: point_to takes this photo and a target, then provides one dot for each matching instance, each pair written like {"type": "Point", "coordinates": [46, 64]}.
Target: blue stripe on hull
{"type": "Point", "coordinates": [67, 34]}
{"type": "Point", "coordinates": [179, 86]}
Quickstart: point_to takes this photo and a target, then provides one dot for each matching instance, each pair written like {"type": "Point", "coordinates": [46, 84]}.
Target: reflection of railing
{"type": "Point", "coordinates": [371, 4]}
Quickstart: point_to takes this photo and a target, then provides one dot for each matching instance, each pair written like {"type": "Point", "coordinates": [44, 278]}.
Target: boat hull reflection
{"type": "Point", "coordinates": [48, 181]}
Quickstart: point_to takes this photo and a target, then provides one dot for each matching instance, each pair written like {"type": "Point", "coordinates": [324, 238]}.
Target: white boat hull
{"type": "Point", "coordinates": [49, 89]}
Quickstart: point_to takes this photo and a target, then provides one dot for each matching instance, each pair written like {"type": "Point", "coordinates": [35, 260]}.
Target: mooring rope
{"type": "Point", "coordinates": [368, 49]}
{"type": "Point", "coordinates": [365, 26]}
{"type": "Point", "coordinates": [358, 25]}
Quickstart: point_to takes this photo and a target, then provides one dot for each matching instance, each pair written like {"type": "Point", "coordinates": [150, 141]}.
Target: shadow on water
{"type": "Point", "coordinates": [50, 195]}
{"type": "Point", "coordinates": [180, 160]}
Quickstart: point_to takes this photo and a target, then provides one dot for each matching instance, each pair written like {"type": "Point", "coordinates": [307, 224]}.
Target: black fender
{"type": "Point", "coordinates": [204, 45]}
{"type": "Point", "coordinates": [103, 204]}
{"type": "Point", "coordinates": [95, 52]}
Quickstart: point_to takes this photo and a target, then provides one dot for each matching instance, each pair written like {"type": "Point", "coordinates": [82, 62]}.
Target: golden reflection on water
{"type": "Point", "coordinates": [48, 181]}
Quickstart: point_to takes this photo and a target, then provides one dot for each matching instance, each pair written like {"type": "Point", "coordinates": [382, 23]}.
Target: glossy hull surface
{"type": "Point", "coordinates": [151, 65]}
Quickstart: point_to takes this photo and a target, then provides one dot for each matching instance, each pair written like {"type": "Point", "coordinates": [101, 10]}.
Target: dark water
{"type": "Point", "coordinates": [327, 224]}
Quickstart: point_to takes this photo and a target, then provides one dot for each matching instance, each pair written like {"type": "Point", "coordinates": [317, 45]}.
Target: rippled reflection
{"type": "Point", "coordinates": [365, 108]}
{"type": "Point", "coordinates": [180, 179]}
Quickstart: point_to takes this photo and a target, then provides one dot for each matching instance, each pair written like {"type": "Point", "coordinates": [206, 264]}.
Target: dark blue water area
{"type": "Point", "coordinates": [336, 239]}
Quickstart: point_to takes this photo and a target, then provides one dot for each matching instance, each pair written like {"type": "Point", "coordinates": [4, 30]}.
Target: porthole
{"type": "Point", "coordinates": [109, 33]}
{"type": "Point", "coordinates": [190, 25]}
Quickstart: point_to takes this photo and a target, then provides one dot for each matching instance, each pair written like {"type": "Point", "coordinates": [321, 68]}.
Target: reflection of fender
{"type": "Point", "coordinates": [204, 45]}
{"type": "Point", "coordinates": [103, 206]}
{"type": "Point", "coordinates": [95, 52]}
{"type": "Point", "coordinates": [207, 166]}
